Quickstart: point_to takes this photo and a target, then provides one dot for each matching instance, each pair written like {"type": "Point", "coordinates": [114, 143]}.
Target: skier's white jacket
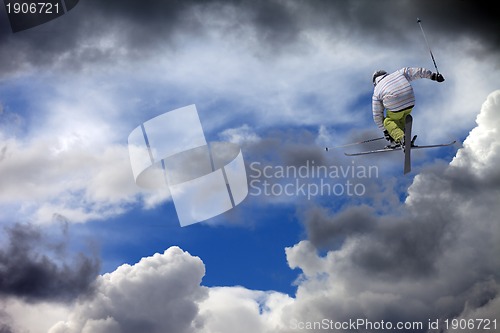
{"type": "Point", "coordinates": [394, 92]}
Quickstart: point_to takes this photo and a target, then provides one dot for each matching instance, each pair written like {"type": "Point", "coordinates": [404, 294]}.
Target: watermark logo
{"type": "Point", "coordinates": [205, 180]}
{"type": "Point", "coordinates": [309, 180]}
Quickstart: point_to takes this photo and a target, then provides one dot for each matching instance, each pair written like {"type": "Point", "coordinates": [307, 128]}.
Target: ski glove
{"type": "Point", "coordinates": [388, 136]}
{"type": "Point", "coordinates": [437, 77]}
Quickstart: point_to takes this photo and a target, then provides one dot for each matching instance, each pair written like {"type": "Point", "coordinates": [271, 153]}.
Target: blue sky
{"type": "Point", "coordinates": [282, 80]}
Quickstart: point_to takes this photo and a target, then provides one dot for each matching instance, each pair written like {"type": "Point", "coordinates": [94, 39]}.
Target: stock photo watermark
{"type": "Point", "coordinates": [366, 325]}
{"type": "Point", "coordinates": [204, 179]}
{"type": "Point", "coordinates": [309, 180]}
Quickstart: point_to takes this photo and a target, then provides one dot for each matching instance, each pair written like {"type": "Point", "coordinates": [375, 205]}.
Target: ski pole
{"type": "Point", "coordinates": [419, 21]}
{"type": "Point", "coordinates": [355, 143]}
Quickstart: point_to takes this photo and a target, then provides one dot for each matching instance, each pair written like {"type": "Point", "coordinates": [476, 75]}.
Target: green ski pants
{"type": "Point", "coordinates": [394, 123]}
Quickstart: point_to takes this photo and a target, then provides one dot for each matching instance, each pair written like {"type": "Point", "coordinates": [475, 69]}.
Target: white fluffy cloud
{"type": "Point", "coordinates": [163, 293]}
{"type": "Point", "coordinates": [159, 294]}
{"type": "Point", "coordinates": [237, 309]}
{"type": "Point", "coordinates": [240, 135]}
{"type": "Point", "coordinates": [481, 153]}
{"type": "Point", "coordinates": [77, 183]}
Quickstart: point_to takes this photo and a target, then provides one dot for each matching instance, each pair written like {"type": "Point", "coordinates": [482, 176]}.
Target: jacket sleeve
{"type": "Point", "coordinates": [414, 73]}
{"type": "Point", "coordinates": [378, 112]}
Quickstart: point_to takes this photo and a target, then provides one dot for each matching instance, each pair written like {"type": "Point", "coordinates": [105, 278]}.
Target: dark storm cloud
{"type": "Point", "coordinates": [389, 21]}
{"type": "Point", "coordinates": [35, 268]}
{"type": "Point", "coordinates": [441, 252]}
{"type": "Point", "coordinates": [143, 27]}
{"type": "Point", "coordinates": [445, 240]}
{"type": "Point", "coordinates": [286, 147]}
{"type": "Point", "coordinates": [410, 242]}
{"type": "Point", "coordinates": [72, 40]}
{"type": "Point", "coordinates": [440, 247]}
{"type": "Point", "coordinates": [388, 247]}
{"type": "Point", "coordinates": [327, 233]}
{"type": "Point", "coordinates": [140, 28]}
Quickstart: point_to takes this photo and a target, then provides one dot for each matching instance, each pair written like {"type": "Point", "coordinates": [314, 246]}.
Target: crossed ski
{"type": "Point", "coordinates": [406, 148]}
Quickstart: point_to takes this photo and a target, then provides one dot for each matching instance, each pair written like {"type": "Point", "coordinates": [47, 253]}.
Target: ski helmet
{"type": "Point", "coordinates": [378, 73]}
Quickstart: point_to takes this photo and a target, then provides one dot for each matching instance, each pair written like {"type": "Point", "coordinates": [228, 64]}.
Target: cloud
{"type": "Point", "coordinates": [5, 323]}
{"type": "Point", "coordinates": [6, 329]}
{"type": "Point", "coordinates": [159, 294]}
{"type": "Point", "coordinates": [163, 293]}
{"type": "Point", "coordinates": [103, 32]}
{"type": "Point", "coordinates": [75, 161]}
{"type": "Point", "coordinates": [237, 309]}
{"type": "Point", "coordinates": [241, 135]}
{"type": "Point", "coordinates": [24, 316]}
{"type": "Point", "coordinates": [409, 264]}
{"type": "Point", "coordinates": [77, 182]}
{"type": "Point", "coordinates": [35, 269]}
{"type": "Point", "coordinates": [481, 152]}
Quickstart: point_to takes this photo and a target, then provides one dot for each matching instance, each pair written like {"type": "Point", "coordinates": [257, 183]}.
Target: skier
{"type": "Point", "coordinates": [394, 94]}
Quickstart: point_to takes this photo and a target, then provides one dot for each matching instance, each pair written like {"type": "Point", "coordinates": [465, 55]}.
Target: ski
{"type": "Point", "coordinates": [408, 143]}
{"type": "Point", "coordinates": [355, 143]}
{"type": "Point", "coordinates": [435, 146]}
{"type": "Point", "coordinates": [384, 150]}
{"type": "Point", "coordinates": [396, 148]}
